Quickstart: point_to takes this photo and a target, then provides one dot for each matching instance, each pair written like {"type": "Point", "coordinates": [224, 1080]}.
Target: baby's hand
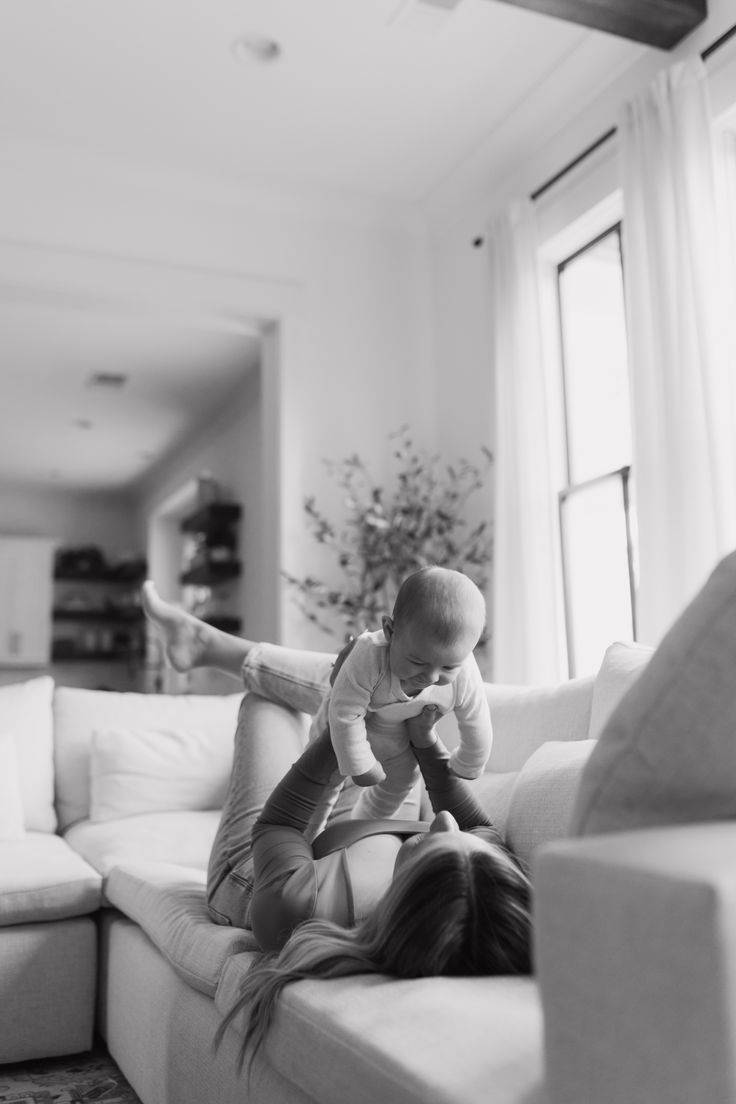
{"type": "Point", "coordinates": [421, 728]}
{"type": "Point", "coordinates": [462, 770]}
{"type": "Point", "coordinates": [370, 777]}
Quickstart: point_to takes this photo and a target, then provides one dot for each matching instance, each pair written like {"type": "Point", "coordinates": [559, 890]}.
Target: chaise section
{"type": "Point", "coordinates": [168, 903]}
{"type": "Point", "coordinates": [636, 948]}
{"type": "Point", "coordinates": [442, 1039]}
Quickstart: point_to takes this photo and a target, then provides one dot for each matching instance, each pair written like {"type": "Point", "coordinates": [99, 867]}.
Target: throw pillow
{"type": "Point", "coordinates": [667, 754]}
{"type": "Point", "coordinates": [136, 771]}
{"type": "Point", "coordinates": [25, 710]}
{"type": "Point", "coordinates": [12, 824]}
{"type": "Point", "coordinates": [543, 797]}
{"type": "Point", "coordinates": [621, 667]}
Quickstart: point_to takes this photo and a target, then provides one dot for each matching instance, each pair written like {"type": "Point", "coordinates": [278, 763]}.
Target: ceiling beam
{"type": "Point", "coordinates": [660, 23]}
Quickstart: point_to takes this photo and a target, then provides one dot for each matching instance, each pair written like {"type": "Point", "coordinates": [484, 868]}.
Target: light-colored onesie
{"type": "Point", "coordinates": [366, 709]}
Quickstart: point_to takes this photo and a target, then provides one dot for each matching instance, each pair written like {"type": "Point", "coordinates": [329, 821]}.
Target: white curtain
{"type": "Point", "coordinates": [525, 591]}
{"type": "Point", "coordinates": [684, 463]}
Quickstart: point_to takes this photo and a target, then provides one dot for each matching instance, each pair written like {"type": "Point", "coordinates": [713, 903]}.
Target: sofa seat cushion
{"type": "Point", "coordinates": [181, 838]}
{"type": "Point", "coordinates": [42, 879]}
{"type": "Point", "coordinates": [168, 902]}
{"type": "Point", "coordinates": [369, 1038]}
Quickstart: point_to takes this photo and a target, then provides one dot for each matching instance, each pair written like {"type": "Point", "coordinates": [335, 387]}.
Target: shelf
{"type": "Point", "coordinates": [224, 622]}
{"type": "Point", "coordinates": [110, 577]}
{"type": "Point", "coordinates": [211, 574]}
{"type": "Point", "coordinates": [213, 518]}
{"type": "Point", "coordinates": [97, 657]}
{"type": "Point", "coordinates": [127, 617]}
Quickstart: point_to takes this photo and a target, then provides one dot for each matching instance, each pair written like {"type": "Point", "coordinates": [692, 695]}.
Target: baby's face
{"type": "Point", "coordinates": [418, 661]}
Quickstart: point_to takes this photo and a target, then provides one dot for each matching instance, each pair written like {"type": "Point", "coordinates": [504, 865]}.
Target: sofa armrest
{"type": "Point", "coordinates": [636, 953]}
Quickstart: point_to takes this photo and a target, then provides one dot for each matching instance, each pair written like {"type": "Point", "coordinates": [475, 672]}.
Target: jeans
{"type": "Point", "coordinates": [268, 739]}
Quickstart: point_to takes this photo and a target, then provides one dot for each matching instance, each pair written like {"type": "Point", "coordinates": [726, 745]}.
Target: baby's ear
{"type": "Point", "coordinates": [387, 624]}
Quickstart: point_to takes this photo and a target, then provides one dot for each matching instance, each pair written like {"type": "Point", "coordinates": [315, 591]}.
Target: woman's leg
{"type": "Point", "coordinates": [294, 678]}
{"type": "Point", "coordinates": [268, 739]}
{"type": "Point", "coordinates": [189, 642]}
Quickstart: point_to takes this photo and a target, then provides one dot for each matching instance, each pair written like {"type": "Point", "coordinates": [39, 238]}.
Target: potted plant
{"type": "Point", "coordinates": [389, 532]}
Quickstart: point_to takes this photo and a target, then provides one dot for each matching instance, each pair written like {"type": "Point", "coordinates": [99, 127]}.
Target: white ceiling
{"type": "Point", "coordinates": [365, 98]}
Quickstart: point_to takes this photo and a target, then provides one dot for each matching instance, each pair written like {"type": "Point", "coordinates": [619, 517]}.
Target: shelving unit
{"type": "Point", "coordinates": [212, 560]}
{"type": "Point", "coordinates": [96, 617]}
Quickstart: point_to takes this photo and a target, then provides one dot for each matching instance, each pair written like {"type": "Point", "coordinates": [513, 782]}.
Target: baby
{"type": "Point", "coordinates": [423, 656]}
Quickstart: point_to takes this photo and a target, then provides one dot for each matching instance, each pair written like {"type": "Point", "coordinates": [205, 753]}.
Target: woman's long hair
{"type": "Point", "coordinates": [447, 912]}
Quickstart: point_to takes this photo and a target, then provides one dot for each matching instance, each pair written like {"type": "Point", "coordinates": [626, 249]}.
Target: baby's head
{"type": "Point", "coordinates": [437, 620]}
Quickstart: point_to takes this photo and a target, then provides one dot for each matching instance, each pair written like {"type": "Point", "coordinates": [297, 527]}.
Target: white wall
{"type": "Point", "coordinates": [70, 518]}
{"type": "Point", "coordinates": [469, 202]}
{"type": "Point", "coordinates": [343, 284]}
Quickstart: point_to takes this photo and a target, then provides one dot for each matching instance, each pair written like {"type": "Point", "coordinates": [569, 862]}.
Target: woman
{"type": "Point", "coordinates": [399, 897]}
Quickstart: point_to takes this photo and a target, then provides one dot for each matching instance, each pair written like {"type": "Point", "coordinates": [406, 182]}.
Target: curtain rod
{"type": "Point", "coordinates": [705, 54]}
{"type": "Point", "coordinates": [724, 38]}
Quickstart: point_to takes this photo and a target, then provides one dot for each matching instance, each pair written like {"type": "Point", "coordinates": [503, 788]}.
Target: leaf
{"type": "Point", "coordinates": [389, 531]}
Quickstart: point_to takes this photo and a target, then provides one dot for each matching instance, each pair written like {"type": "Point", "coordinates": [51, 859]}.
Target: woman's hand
{"type": "Point", "coordinates": [421, 728]}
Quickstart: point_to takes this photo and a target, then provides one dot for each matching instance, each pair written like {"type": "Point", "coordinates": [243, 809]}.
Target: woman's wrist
{"type": "Point", "coordinates": [421, 729]}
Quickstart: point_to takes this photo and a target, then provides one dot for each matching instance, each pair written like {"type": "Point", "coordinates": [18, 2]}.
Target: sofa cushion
{"type": "Point", "coordinates": [365, 1039]}
{"type": "Point", "coordinates": [42, 879]}
{"type": "Point", "coordinates": [543, 797]}
{"type": "Point", "coordinates": [168, 902]}
{"type": "Point", "coordinates": [493, 792]}
{"type": "Point", "coordinates": [525, 717]}
{"type": "Point", "coordinates": [25, 710]}
{"type": "Point", "coordinates": [80, 713]}
{"type": "Point", "coordinates": [12, 825]}
{"type": "Point", "coordinates": [668, 753]}
{"type": "Point", "coordinates": [150, 770]}
{"type": "Point", "coordinates": [621, 667]}
{"type": "Point", "coordinates": [181, 838]}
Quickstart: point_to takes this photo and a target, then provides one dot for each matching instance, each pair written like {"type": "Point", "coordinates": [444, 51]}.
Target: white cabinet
{"type": "Point", "coordinates": [25, 601]}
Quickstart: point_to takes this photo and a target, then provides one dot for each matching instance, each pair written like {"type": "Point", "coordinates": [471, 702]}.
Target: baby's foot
{"type": "Point", "coordinates": [421, 728]}
{"type": "Point", "coordinates": [185, 637]}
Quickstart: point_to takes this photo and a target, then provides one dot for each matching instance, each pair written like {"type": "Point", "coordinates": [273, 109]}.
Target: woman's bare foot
{"type": "Point", "coordinates": [421, 728]}
{"type": "Point", "coordinates": [186, 639]}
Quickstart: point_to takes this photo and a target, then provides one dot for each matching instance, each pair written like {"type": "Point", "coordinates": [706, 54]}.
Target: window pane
{"type": "Point", "coordinates": [596, 566]}
{"type": "Point", "coordinates": [594, 356]}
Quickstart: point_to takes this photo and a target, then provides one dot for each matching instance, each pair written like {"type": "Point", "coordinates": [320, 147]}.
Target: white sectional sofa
{"type": "Point", "coordinates": [104, 922]}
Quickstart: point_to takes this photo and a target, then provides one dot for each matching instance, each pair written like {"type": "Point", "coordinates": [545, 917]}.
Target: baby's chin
{"type": "Point", "coordinates": [412, 687]}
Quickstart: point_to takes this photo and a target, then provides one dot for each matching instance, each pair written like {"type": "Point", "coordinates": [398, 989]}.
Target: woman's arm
{"type": "Point", "coordinates": [285, 888]}
{"type": "Point", "coordinates": [446, 791]}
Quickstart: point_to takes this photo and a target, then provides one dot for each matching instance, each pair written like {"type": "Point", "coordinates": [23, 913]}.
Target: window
{"type": "Point", "coordinates": [596, 526]}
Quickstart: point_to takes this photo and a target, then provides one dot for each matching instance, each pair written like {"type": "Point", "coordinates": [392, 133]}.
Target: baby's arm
{"type": "Point", "coordinates": [474, 721]}
{"type": "Point", "coordinates": [349, 700]}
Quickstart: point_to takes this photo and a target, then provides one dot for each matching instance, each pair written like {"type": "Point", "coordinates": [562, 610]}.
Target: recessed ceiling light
{"type": "Point", "coordinates": [255, 47]}
{"type": "Point", "coordinates": [107, 379]}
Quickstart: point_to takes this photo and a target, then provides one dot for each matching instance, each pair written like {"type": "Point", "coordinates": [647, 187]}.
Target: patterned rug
{"type": "Point", "coordinates": [74, 1079]}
